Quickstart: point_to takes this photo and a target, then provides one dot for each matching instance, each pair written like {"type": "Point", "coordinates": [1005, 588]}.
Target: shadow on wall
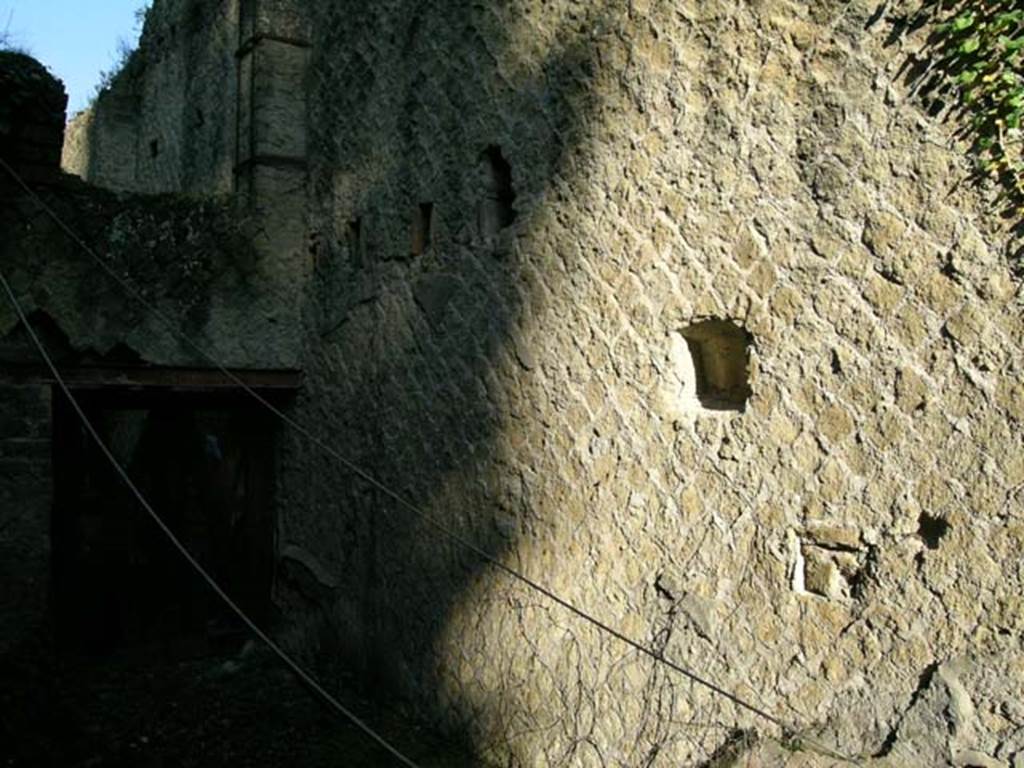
{"type": "Point", "coordinates": [439, 133]}
{"type": "Point", "coordinates": [442, 136]}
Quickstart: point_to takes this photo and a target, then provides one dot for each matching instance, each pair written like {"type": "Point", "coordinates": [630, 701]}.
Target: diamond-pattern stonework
{"type": "Point", "coordinates": [765, 165]}
{"type": "Point", "coordinates": [845, 552]}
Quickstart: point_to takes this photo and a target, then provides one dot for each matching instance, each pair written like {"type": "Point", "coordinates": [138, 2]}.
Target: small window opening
{"type": "Point", "coordinates": [719, 353]}
{"type": "Point", "coordinates": [421, 225]}
{"type": "Point", "coordinates": [154, 148]}
{"type": "Point", "coordinates": [354, 240]}
{"type": "Point", "coordinates": [496, 211]}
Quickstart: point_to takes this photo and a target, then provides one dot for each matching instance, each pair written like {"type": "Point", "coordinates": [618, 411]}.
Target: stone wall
{"type": "Point", "coordinates": [167, 121]}
{"type": "Point", "coordinates": [226, 277]}
{"type": "Point", "coordinates": [689, 312]}
{"type": "Point", "coordinates": [194, 263]}
{"type": "Point", "coordinates": [31, 117]}
{"type": "Point", "coordinates": [822, 547]}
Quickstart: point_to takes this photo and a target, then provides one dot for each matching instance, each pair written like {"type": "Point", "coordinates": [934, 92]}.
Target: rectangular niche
{"type": "Point", "coordinates": [496, 211]}
{"type": "Point", "coordinates": [716, 365]}
{"type": "Point", "coordinates": [422, 221]}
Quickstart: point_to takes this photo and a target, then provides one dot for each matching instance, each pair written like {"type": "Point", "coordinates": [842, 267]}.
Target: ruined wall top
{"type": "Point", "coordinates": [166, 122]}
{"type": "Point", "coordinates": [32, 110]}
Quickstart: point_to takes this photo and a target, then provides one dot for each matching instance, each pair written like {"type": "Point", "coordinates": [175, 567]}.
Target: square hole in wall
{"type": "Point", "coordinates": [716, 371]}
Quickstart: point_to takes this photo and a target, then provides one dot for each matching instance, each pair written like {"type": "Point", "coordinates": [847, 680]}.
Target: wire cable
{"type": "Point", "coordinates": [788, 731]}
{"type": "Point", "coordinates": [308, 679]}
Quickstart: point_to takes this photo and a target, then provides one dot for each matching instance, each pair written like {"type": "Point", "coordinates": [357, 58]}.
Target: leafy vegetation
{"type": "Point", "coordinates": [123, 58]}
{"type": "Point", "coordinates": [7, 42]}
{"type": "Point", "coordinates": [977, 51]}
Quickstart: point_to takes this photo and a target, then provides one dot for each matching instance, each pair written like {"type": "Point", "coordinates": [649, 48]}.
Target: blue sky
{"type": "Point", "coordinates": [76, 39]}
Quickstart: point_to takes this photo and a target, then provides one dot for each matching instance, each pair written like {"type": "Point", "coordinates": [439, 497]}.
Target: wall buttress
{"type": "Point", "coordinates": [273, 56]}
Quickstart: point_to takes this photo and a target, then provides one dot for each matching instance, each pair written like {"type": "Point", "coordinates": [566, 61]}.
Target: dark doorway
{"type": "Point", "coordinates": [205, 461]}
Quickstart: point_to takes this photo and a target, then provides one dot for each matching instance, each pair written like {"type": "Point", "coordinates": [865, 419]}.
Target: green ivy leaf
{"type": "Point", "coordinates": [979, 48]}
{"type": "Point", "coordinates": [963, 21]}
{"type": "Point", "coordinates": [970, 45]}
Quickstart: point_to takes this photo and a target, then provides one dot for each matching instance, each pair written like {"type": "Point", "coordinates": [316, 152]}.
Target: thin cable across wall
{"type": "Point", "coordinates": [306, 678]}
{"type": "Point", "coordinates": [788, 731]}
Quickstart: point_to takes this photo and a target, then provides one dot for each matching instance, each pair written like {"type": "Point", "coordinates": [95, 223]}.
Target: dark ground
{"type": "Point", "coordinates": [242, 710]}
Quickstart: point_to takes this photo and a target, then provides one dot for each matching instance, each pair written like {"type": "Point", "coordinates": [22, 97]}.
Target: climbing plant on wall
{"type": "Point", "coordinates": [977, 49]}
